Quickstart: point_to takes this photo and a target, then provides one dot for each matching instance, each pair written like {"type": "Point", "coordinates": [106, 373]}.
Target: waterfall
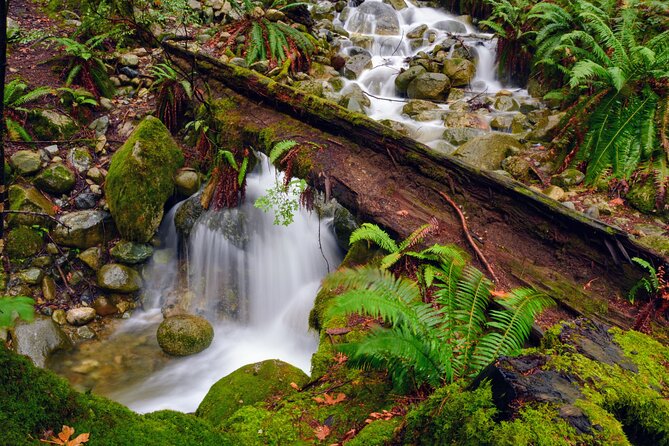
{"type": "Point", "coordinates": [253, 280]}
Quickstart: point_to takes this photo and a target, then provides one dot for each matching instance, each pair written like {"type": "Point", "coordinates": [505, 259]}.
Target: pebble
{"type": "Point", "coordinates": [80, 316]}
{"type": "Point", "coordinates": [85, 332]}
{"type": "Point", "coordinates": [59, 317]}
{"type": "Point", "coordinates": [592, 212]}
{"type": "Point", "coordinates": [86, 201]}
{"type": "Point", "coordinates": [51, 150]}
{"type": "Point", "coordinates": [569, 205]}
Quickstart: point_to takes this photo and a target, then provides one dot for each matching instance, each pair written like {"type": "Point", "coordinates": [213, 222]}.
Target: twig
{"type": "Point", "coordinates": [37, 214]}
{"type": "Point", "coordinates": [468, 236]}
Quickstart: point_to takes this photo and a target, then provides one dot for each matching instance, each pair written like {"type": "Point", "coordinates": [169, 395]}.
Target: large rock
{"type": "Point", "coordinates": [84, 229]}
{"type": "Point", "coordinates": [374, 18]}
{"type": "Point", "coordinates": [247, 386]}
{"type": "Point", "coordinates": [187, 214]}
{"type": "Point", "coordinates": [184, 334]}
{"type": "Point", "coordinates": [131, 253]}
{"type": "Point", "coordinates": [459, 71]}
{"type": "Point", "coordinates": [403, 79]}
{"type": "Point", "coordinates": [51, 125]}
{"type": "Point", "coordinates": [488, 151]}
{"type": "Point", "coordinates": [355, 65]}
{"type": "Point", "coordinates": [429, 86]}
{"type": "Point", "coordinates": [38, 339]}
{"type": "Point", "coordinates": [451, 26]}
{"type": "Point", "coordinates": [460, 135]}
{"type": "Point", "coordinates": [25, 162]}
{"type": "Point", "coordinates": [29, 199]}
{"type": "Point", "coordinates": [141, 179]}
{"type": "Point", "coordinates": [56, 179]}
{"type": "Point", "coordinates": [119, 278]}
{"type": "Point", "coordinates": [546, 128]}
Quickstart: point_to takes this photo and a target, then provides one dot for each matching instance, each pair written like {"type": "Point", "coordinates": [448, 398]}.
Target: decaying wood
{"type": "Point", "coordinates": [397, 182]}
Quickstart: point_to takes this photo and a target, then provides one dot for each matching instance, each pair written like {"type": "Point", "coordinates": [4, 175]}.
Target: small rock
{"type": "Point", "coordinates": [429, 86]}
{"type": "Point", "coordinates": [85, 201]}
{"type": "Point", "coordinates": [96, 175]}
{"type": "Point", "coordinates": [106, 103]}
{"type": "Point", "coordinates": [131, 253]}
{"type": "Point", "coordinates": [56, 179]}
{"type": "Point", "coordinates": [104, 307]}
{"type": "Point", "coordinates": [48, 289]}
{"type": "Point", "coordinates": [80, 159]}
{"type": "Point", "coordinates": [592, 212]}
{"type": "Point", "coordinates": [100, 125]}
{"type": "Point", "coordinates": [59, 317]}
{"type": "Point", "coordinates": [85, 332]}
{"type": "Point", "coordinates": [569, 205]}
{"type": "Point", "coordinates": [129, 60]}
{"type": "Point", "coordinates": [25, 162]}
{"type": "Point", "coordinates": [128, 73]}
{"type": "Point", "coordinates": [91, 257]}
{"type": "Point", "coordinates": [568, 178]}
{"type": "Point", "coordinates": [80, 316]}
{"type": "Point", "coordinates": [31, 276]}
{"type": "Point", "coordinates": [51, 150]}
{"type": "Point", "coordinates": [187, 182]}
{"type": "Point", "coordinates": [87, 365]}
{"type": "Point", "coordinates": [184, 334]}
{"type": "Point", "coordinates": [554, 192]}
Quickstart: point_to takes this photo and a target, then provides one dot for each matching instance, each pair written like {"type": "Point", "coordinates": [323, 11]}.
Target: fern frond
{"type": "Point", "coordinates": [280, 149]}
{"type": "Point", "coordinates": [372, 233]}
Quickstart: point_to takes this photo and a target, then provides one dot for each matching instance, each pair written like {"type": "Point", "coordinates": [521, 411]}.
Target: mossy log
{"type": "Point", "coordinates": [394, 181]}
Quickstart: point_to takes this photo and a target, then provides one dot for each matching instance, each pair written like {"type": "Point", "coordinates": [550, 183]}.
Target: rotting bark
{"type": "Point", "coordinates": [394, 181]}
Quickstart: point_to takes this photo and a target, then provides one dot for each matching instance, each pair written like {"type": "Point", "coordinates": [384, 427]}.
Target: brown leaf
{"type": "Point", "coordinates": [330, 401]}
{"type": "Point", "coordinates": [402, 213]}
{"type": "Point", "coordinates": [322, 432]}
{"type": "Point", "coordinates": [295, 386]}
{"type": "Point", "coordinates": [66, 433]}
{"type": "Point", "coordinates": [617, 202]}
{"type": "Point", "coordinates": [318, 399]}
{"type": "Point", "coordinates": [79, 440]}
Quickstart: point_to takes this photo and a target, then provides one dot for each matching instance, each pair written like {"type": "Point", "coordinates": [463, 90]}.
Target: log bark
{"type": "Point", "coordinates": [394, 181]}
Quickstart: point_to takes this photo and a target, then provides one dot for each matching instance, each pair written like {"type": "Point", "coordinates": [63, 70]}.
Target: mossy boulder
{"type": "Point", "coordinates": [246, 386]}
{"type": "Point", "coordinates": [403, 79]}
{"type": "Point", "coordinates": [643, 195]}
{"type": "Point", "coordinates": [23, 242]}
{"type": "Point", "coordinates": [429, 86]}
{"type": "Point", "coordinates": [184, 334]}
{"type": "Point", "coordinates": [141, 179]}
{"type": "Point", "coordinates": [131, 253]}
{"type": "Point", "coordinates": [25, 162]}
{"type": "Point", "coordinates": [56, 179]}
{"type": "Point", "coordinates": [568, 178]}
{"type": "Point", "coordinates": [36, 400]}
{"type": "Point", "coordinates": [119, 278]}
{"type": "Point", "coordinates": [488, 151]}
{"type": "Point", "coordinates": [52, 125]}
{"type": "Point", "coordinates": [84, 229]}
{"type": "Point", "coordinates": [459, 71]}
{"type": "Point", "coordinates": [29, 199]}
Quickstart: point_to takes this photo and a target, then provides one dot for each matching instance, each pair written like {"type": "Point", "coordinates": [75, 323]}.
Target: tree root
{"type": "Point", "coordinates": [469, 237]}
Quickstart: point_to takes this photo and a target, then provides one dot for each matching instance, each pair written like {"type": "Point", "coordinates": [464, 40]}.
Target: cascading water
{"type": "Point", "coordinates": [255, 281]}
{"type": "Point", "coordinates": [381, 31]}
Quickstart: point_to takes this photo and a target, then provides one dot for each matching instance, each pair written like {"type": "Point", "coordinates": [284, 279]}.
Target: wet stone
{"type": "Point", "coordinates": [80, 316]}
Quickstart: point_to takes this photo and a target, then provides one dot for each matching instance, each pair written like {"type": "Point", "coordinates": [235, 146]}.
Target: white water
{"type": "Point", "coordinates": [277, 275]}
{"type": "Point", "coordinates": [390, 53]}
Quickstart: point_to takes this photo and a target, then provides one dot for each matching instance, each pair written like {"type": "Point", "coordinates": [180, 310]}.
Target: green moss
{"type": "Point", "coordinates": [35, 400]}
{"type": "Point", "coordinates": [452, 416]}
{"type": "Point", "coordinates": [23, 242]}
{"type": "Point", "coordinates": [377, 433]}
{"type": "Point", "coordinates": [256, 426]}
{"type": "Point", "coordinates": [248, 385]}
{"type": "Point", "coordinates": [538, 425]}
{"type": "Point", "coordinates": [140, 179]}
{"type": "Point", "coordinates": [642, 195]}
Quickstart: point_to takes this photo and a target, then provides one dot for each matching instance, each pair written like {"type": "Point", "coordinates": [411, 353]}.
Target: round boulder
{"type": "Point", "coordinates": [119, 278]}
{"type": "Point", "coordinates": [184, 334]}
{"type": "Point", "coordinates": [429, 86]}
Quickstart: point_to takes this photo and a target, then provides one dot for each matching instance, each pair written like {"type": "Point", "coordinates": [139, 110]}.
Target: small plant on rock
{"type": "Point", "coordinates": [174, 94]}
{"type": "Point", "coordinates": [17, 97]}
{"type": "Point", "coordinates": [79, 101]}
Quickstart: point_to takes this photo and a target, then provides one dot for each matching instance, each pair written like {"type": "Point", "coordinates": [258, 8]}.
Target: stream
{"type": "Point", "coordinates": [253, 280]}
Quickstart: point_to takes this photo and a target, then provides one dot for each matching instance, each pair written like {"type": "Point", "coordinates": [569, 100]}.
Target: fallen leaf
{"type": "Point", "coordinates": [330, 401]}
{"type": "Point", "coordinates": [617, 202]}
{"type": "Point", "coordinates": [402, 213]}
{"type": "Point", "coordinates": [295, 386]}
{"type": "Point", "coordinates": [322, 432]}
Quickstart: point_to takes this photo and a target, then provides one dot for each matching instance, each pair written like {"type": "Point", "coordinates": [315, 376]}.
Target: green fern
{"type": "Point", "coordinates": [650, 284]}
{"type": "Point", "coordinates": [455, 336]}
{"type": "Point", "coordinates": [16, 97]}
{"type": "Point", "coordinates": [280, 149]}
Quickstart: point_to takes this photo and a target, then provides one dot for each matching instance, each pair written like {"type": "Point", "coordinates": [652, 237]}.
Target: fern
{"type": "Point", "coordinates": [280, 149]}
{"type": "Point", "coordinates": [455, 336]}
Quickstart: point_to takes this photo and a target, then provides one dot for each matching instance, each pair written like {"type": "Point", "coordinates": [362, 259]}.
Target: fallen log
{"type": "Point", "coordinates": [395, 181]}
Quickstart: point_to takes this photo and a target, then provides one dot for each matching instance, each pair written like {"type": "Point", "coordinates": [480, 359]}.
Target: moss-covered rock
{"type": "Point", "coordinates": [131, 253]}
{"type": "Point", "coordinates": [29, 199]}
{"type": "Point", "coordinates": [488, 151]}
{"type": "Point", "coordinates": [460, 71]}
{"type": "Point", "coordinates": [51, 125]}
{"type": "Point", "coordinates": [119, 278]}
{"type": "Point", "coordinates": [84, 229]}
{"type": "Point", "coordinates": [568, 178]}
{"type": "Point", "coordinates": [36, 400]}
{"type": "Point", "coordinates": [56, 179]}
{"type": "Point", "coordinates": [25, 162]}
{"type": "Point", "coordinates": [184, 334]}
{"type": "Point", "coordinates": [642, 195]}
{"type": "Point", "coordinates": [141, 179]}
{"type": "Point", "coordinates": [246, 386]}
{"type": "Point", "coordinates": [23, 242]}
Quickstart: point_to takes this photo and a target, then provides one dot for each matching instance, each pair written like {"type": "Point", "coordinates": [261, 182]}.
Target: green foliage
{"type": "Point", "coordinates": [79, 101]}
{"type": "Point", "coordinates": [283, 200]}
{"type": "Point", "coordinates": [454, 336]}
{"type": "Point", "coordinates": [16, 98]}
{"type": "Point", "coordinates": [280, 149]}
{"type": "Point", "coordinates": [83, 64]}
{"type": "Point", "coordinates": [276, 42]}
{"type": "Point", "coordinates": [11, 308]}
{"type": "Point", "coordinates": [174, 94]}
{"type": "Point", "coordinates": [650, 284]}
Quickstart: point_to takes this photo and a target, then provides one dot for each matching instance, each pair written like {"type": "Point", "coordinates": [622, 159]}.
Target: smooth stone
{"type": "Point", "coordinates": [554, 192]}
{"type": "Point", "coordinates": [84, 229]}
{"type": "Point", "coordinates": [25, 162]}
{"type": "Point", "coordinates": [85, 201]}
{"type": "Point", "coordinates": [59, 317]}
{"type": "Point", "coordinates": [80, 316]}
{"type": "Point", "coordinates": [85, 332]}
{"type": "Point", "coordinates": [568, 178]}
{"type": "Point", "coordinates": [374, 18]}
{"type": "Point", "coordinates": [184, 334]}
{"type": "Point", "coordinates": [92, 257]}
{"type": "Point", "coordinates": [403, 79]}
{"type": "Point", "coordinates": [429, 86]}
{"type": "Point", "coordinates": [488, 151]}
{"type": "Point", "coordinates": [80, 158]}
{"type": "Point", "coordinates": [104, 307]}
{"type": "Point", "coordinates": [459, 71]}
{"type": "Point", "coordinates": [355, 65]}
{"type": "Point", "coordinates": [48, 289]}
{"type": "Point", "coordinates": [451, 26]}
{"type": "Point", "coordinates": [129, 60]}
{"type": "Point", "coordinates": [118, 278]}
{"type": "Point", "coordinates": [100, 125]}
{"type": "Point", "coordinates": [38, 339]}
{"type": "Point", "coordinates": [31, 276]}
{"type": "Point", "coordinates": [131, 253]}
